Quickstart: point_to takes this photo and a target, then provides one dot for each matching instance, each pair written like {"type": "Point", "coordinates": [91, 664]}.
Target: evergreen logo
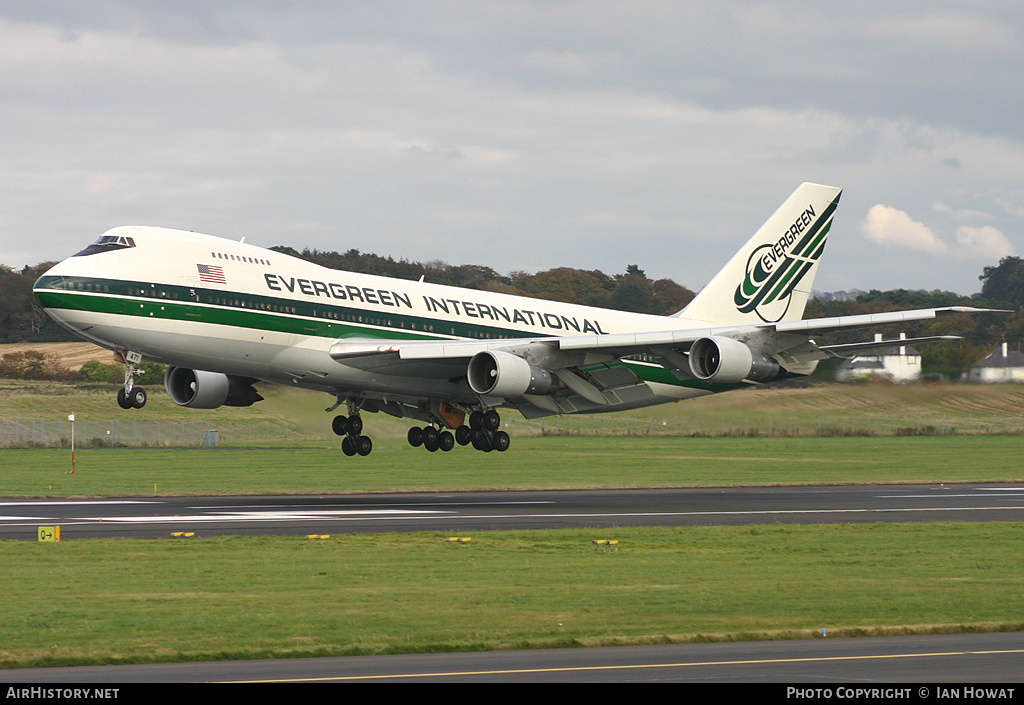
{"type": "Point", "coordinates": [774, 270]}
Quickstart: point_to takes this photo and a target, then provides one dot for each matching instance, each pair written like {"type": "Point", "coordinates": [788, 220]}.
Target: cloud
{"type": "Point", "coordinates": [961, 214]}
{"type": "Point", "coordinates": [891, 227]}
{"type": "Point", "coordinates": [448, 130]}
{"type": "Point", "coordinates": [894, 228]}
{"type": "Point", "coordinates": [984, 242]}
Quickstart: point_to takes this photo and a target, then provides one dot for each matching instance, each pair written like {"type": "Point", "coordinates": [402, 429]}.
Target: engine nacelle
{"type": "Point", "coordinates": [197, 389]}
{"type": "Point", "coordinates": [501, 374]}
{"type": "Point", "coordinates": [728, 361]}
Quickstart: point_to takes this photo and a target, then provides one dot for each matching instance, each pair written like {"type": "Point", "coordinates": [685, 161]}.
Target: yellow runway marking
{"type": "Point", "coordinates": [625, 667]}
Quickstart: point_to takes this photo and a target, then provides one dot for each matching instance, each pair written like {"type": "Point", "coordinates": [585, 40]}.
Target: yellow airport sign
{"type": "Point", "coordinates": [50, 534]}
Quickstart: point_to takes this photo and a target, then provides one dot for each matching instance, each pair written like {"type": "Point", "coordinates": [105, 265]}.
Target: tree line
{"type": "Point", "coordinates": [632, 290]}
{"type": "Point", "coordinates": [22, 319]}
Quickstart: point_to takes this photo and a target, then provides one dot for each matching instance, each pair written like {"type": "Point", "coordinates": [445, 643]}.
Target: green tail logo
{"type": "Point", "coordinates": [774, 270]}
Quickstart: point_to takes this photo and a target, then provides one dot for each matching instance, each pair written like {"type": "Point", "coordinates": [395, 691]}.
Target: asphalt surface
{"type": "Point", "coordinates": [860, 663]}
{"type": "Point", "coordinates": [478, 511]}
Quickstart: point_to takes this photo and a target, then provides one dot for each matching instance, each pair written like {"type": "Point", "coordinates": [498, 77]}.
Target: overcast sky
{"type": "Point", "coordinates": [521, 135]}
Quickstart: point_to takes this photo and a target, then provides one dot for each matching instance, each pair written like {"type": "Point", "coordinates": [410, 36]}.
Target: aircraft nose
{"type": "Point", "coordinates": [49, 291]}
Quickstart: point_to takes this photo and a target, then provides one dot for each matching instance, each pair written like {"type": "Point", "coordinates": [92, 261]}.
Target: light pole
{"type": "Point", "coordinates": [71, 418]}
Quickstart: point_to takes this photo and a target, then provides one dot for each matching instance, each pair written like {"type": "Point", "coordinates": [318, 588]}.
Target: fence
{"type": "Point", "coordinates": [54, 433]}
{"type": "Point", "coordinates": [39, 432]}
{"type": "Point", "coordinates": [764, 426]}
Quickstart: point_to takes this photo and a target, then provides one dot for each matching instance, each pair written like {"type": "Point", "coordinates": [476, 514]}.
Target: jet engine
{"type": "Point", "coordinates": [727, 361]}
{"type": "Point", "coordinates": [502, 374]}
{"type": "Point", "coordinates": [197, 389]}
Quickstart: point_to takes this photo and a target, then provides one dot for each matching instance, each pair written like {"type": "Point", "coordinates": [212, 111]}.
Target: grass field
{"type": "Point", "coordinates": [109, 601]}
{"type": "Point", "coordinates": [545, 462]}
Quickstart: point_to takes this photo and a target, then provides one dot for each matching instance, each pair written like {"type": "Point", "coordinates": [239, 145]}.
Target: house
{"type": "Point", "coordinates": [1000, 365]}
{"type": "Point", "coordinates": [900, 363]}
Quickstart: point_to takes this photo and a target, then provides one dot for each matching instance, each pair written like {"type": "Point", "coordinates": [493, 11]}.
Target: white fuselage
{"type": "Point", "coordinates": [208, 303]}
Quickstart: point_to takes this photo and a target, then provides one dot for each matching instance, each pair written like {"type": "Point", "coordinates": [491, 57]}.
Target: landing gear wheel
{"type": "Point", "coordinates": [501, 441]}
{"type": "Point", "coordinates": [481, 441]}
{"type": "Point", "coordinates": [362, 444]}
{"type": "Point", "coordinates": [491, 420]}
{"type": "Point", "coordinates": [339, 425]}
{"type": "Point", "coordinates": [476, 419]}
{"type": "Point", "coordinates": [463, 435]}
{"type": "Point", "coordinates": [430, 437]}
{"type": "Point", "coordinates": [137, 397]}
{"type": "Point", "coordinates": [122, 399]}
{"type": "Point", "coordinates": [446, 441]}
{"type": "Point", "coordinates": [415, 436]}
{"type": "Point", "coordinates": [347, 446]}
{"type": "Point", "coordinates": [355, 424]}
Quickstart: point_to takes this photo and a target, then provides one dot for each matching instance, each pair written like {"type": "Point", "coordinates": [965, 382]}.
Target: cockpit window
{"type": "Point", "coordinates": [107, 243]}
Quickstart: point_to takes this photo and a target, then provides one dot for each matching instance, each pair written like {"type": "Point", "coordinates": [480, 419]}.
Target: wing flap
{"type": "Point", "coordinates": [350, 349]}
{"type": "Point", "coordinates": [437, 359]}
{"type": "Point", "coordinates": [633, 343]}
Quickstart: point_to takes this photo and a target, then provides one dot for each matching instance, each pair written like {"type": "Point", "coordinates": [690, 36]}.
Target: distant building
{"type": "Point", "coordinates": [900, 363]}
{"type": "Point", "coordinates": [1000, 365]}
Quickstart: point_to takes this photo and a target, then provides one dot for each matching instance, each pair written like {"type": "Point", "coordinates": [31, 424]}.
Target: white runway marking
{"type": "Point", "coordinates": [76, 502]}
{"type": "Point", "coordinates": [335, 515]}
{"type": "Point", "coordinates": [395, 514]}
{"type": "Point", "coordinates": [943, 496]}
{"type": "Point", "coordinates": [390, 504]}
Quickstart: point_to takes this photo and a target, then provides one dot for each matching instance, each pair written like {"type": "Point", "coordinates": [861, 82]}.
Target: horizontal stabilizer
{"type": "Point", "coordinates": [871, 346]}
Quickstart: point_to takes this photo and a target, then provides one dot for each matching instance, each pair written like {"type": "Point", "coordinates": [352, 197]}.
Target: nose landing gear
{"type": "Point", "coordinates": [130, 396]}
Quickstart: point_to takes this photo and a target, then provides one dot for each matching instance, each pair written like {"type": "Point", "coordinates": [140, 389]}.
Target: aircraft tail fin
{"type": "Point", "coordinates": [770, 278]}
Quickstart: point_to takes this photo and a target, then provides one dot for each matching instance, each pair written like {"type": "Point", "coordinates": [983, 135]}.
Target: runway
{"type": "Point", "coordinates": [861, 663]}
{"type": "Point", "coordinates": [479, 511]}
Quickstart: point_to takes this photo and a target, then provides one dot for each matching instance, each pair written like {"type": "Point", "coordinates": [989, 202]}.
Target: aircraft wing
{"type": "Point", "coordinates": [814, 326]}
{"type": "Point", "coordinates": [403, 356]}
{"type": "Point", "coordinates": [524, 371]}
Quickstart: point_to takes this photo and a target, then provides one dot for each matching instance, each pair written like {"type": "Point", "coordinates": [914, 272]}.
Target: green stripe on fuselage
{"type": "Point", "coordinates": [251, 311]}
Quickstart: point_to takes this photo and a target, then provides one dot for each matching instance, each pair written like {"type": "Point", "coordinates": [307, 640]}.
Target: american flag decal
{"type": "Point", "coordinates": [211, 273]}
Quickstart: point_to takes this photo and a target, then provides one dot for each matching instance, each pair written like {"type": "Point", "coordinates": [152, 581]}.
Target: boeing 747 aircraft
{"type": "Point", "coordinates": [224, 315]}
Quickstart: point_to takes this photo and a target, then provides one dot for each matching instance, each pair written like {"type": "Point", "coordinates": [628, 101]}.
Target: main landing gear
{"type": "Point", "coordinates": [351, 427]}
{"type": "Point", "coordinates": [482, 432]}
{"type": "Point", "coordinates": [130, 396]}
